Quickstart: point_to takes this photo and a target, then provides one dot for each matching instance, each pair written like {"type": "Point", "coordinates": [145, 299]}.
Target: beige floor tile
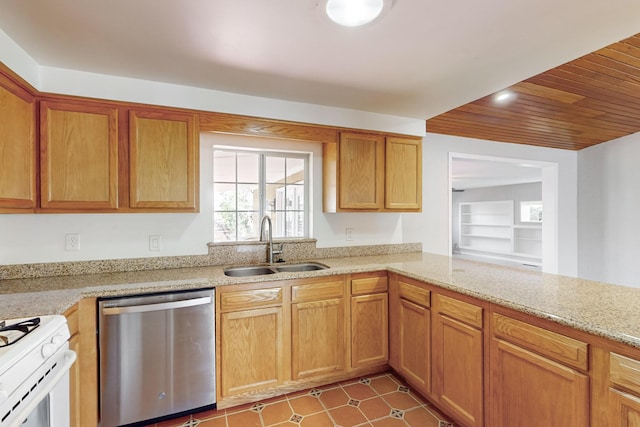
{"type": "Point", "coordinates": [347, 416]}
{"type": "Point", "coordinates": [244, 419]}
{"type": "Point", "coordinates": [306, 405]}
{"type": "Point", "coordinates": [359, 391]}
{"type": "Point", "coordinates": [401, 400]}
{"type": "Point", "coordinates": [334, 397]}
{"type": "Point", "coordinates": [374, 408]}
{"type": "Point", "coordinates": [276, 413]}
{"type": "Point", "coordinates": [383, 385]}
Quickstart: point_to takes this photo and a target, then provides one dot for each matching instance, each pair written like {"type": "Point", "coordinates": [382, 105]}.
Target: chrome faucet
{"type": "Point", "coordinates": [270, 251]}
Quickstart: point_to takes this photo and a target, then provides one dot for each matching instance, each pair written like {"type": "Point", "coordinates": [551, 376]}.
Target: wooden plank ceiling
{"type": "Point", "coordinates": [593, 99]}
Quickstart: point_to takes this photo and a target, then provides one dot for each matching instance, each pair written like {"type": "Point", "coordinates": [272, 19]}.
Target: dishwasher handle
{"type": "Point", "coordinates": [107, 311]}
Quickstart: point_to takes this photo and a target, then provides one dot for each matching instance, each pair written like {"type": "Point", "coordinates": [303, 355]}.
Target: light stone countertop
{"type": "Point", "coordinates": [602, 309]}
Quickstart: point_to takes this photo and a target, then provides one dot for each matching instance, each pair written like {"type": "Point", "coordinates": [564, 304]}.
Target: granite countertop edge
{"type": "Point", "coordinates": [597, 308]}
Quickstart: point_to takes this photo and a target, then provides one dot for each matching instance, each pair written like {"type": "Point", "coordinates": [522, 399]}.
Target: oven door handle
{"type": "Point", "coordinates": [69, 356]}
{"type": "Point", "coordinates": [108, 311]}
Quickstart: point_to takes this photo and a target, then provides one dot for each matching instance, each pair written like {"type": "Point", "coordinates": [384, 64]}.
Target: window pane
{"type": "Point", "coordinates": [224, 197]}
{"type": "Point", "coordinates": [243, 192]}
{"type": "Point", "coordinates": [275, 197]}
{"type": "Point", "coordinates": [224, 226]}
{"type": "Point", "coordinates": [224, 166]}
{"type": "Point", "coordinates": [295, 224]}
{"type": "Point", "coordinates": [248, 225]}
{"type": "Point", "coordinates": [248, 197]}
{"type": "Point", "coordinates": [295, 171]}
{"type": "Point", "coordinates": [275, 169]}
{"type": "Point", "coordinates": [295, 197]}
{"type": "Point", "coordinates": [278, 219]}
{"type": "Point", "coordinates": [248, 167]}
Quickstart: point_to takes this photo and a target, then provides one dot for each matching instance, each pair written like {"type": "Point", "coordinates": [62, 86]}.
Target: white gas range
{"type": "Point", "coordinates": [34, 372]}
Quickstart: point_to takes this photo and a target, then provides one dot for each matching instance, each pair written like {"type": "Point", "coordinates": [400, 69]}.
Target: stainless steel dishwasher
{"type": "Point", "coordinates": [157, 356]}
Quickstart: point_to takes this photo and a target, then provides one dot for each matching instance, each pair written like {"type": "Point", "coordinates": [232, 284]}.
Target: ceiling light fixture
{"type": "Point", "coordinates": [503, 96]}
{"type": "Point", "coordinates": [354, 13]}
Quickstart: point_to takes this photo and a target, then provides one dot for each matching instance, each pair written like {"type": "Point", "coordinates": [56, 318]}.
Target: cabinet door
{"type": "Point", "coordinates": [17, 147]}
{"type": "Point", "coordinates": [251, 350]}
{"type": "Point", "coordinates": [369, 330]}
{"type": "Point", "coordinates": [318, 338]}
{"type": "Point", "coordinates": [458, 369]}
{"type": "Point", "coordinates": [360, 171]}
{"type": "Point", "coordinates": [529, 390]}
{"type": "Point", "coordinates": [403, 174]}
{"type": "Point", "coordinates": [624, 409]}
{"type": "Point", "coordinates": [79, 156]}
{"type": "Point", "coordinates": [163, 159]}
{"type": "Point", "coordinates": [414, 358]}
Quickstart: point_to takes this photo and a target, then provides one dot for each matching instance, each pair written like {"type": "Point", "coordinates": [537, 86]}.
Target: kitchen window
{"type": "Point", "coordinates": [250, 184]}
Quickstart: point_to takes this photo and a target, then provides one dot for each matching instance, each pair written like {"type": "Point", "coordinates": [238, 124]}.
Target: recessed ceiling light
{"type": "Point", "coordinates": [503, 96]}
{"type": "Point", "coordinates": [354, 13]}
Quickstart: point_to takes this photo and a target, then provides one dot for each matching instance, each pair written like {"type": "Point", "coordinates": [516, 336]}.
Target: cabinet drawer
{"type": "Point", "coordinates": [251, 298]}
{"type": "Point", "coordinates": [72, 316]}
{"type": "Point", "coordinates": [558, 347]}
{"type": "Point", "coordinates": [459, 310]}
{"type": "Point", "coordinates": [317, 291]}
{"type": "Point", "coordinates": [414, 294]}
{"type": "Point", "coordinates": [624, 372]}
{"type": "Point", "coordinates": [369, 285]}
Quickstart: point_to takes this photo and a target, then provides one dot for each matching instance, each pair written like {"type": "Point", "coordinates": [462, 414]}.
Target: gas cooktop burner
{"type": "Point", "coordinates": [10, 334]}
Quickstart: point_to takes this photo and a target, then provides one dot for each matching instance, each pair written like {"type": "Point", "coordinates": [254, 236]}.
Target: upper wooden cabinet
{"type": "Point", "coordinates": [403, 174]}
{"type": "Point", "coordinates": [163, 159]}
{"type": "Point", "coordinates": [78, 155]}
{"type": "Point", "coordinates": [17, 148]}
{"type": "Point", "coordinates": [370, 172]}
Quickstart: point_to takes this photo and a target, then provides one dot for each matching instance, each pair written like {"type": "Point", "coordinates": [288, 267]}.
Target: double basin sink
{"type": "Point", "coordinates": [261, 270]}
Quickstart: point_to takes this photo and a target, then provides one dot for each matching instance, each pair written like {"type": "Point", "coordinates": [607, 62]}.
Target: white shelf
{"type": "Point", "coordinates": [489, 228]}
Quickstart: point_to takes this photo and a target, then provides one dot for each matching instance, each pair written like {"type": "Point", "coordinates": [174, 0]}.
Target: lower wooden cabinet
{"type": "Point", "coordinates": [369, 320]}
{"type": "Point", "coordinates": [251, 339]}
{"type": "Point", "coordinates": [318, 329]}
{"type": "Point", "coordinates": [536, 377]}
{"type": "Point", "coordinates": [411, 333]}
{"type": "Point", "coordinates": [624, 409]}
{"type": "Point", "coordinates": [624, 391]}
{"type": "Point", "coordinates": [529, 390]}
{"type": "Point", "coordinates": [457, 358]}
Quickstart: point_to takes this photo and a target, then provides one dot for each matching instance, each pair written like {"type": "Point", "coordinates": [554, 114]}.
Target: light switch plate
{"type": "Point", "coordinates": [155, 243]}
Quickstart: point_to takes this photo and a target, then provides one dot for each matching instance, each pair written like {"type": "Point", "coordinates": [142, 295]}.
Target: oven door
{"type": "Point", "coordinates": [45, 401]}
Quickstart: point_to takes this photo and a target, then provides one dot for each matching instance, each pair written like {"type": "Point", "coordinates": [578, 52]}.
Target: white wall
{"type": "Point", "coordinates": [608, 206]}
{"type": "Point", "coordinates": [431, 226]}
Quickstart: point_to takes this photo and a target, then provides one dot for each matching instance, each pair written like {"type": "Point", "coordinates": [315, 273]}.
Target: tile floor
{"type": "Point", "coordinates": [379, 400]}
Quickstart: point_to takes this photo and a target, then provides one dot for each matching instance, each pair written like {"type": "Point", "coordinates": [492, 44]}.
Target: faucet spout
{"type": "Point", "coordinates": [266, 219]}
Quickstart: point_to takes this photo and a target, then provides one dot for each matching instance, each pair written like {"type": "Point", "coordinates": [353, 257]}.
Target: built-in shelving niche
{"type": "Point", "coordinates": [488, 229]}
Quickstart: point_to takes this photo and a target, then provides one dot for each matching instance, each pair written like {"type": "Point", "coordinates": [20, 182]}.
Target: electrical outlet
{"type": "Point", "coordinates": [72, 242]}
{"type": "Point", "coordinates": [155, 243]}
{"type": "Point", "coordinates": [349, 233]}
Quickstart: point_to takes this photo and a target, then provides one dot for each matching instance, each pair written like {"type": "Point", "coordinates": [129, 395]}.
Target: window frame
{"type": "Point", "coordinates": [262, 188]}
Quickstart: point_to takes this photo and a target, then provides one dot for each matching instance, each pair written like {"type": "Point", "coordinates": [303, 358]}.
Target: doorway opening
{"type": "Point", "coordinates": [504, 210]}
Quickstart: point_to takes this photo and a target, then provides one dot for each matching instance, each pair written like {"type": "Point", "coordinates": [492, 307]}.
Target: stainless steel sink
{"type": "Point", "coordinates": [306, 266]}
{"type": "Point", "coordinates": [248, 271]}
{"type": "Point", "coordinates": [261, 270]}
